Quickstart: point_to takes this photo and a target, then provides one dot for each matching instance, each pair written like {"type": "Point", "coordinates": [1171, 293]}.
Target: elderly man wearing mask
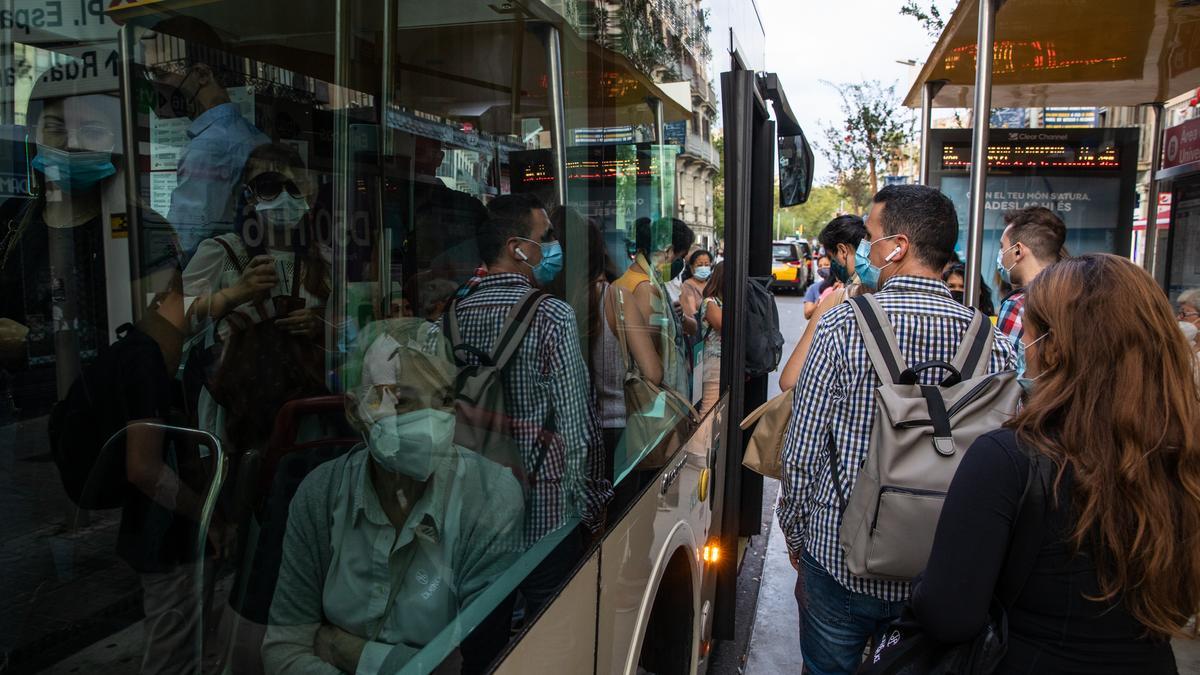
{"type": "Point", "coordinates": [387, 544]}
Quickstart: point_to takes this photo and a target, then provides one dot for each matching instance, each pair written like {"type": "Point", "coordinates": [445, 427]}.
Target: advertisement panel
{"type": "Point", "coordinates": [1086, 176]}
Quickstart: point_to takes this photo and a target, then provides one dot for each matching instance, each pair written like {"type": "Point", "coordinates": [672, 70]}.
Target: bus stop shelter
{"type": "Point", "coordinates": [1039, 53]}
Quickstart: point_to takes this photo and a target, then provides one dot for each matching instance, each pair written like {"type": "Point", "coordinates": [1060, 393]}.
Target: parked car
{"type": "Point", "coordinates": [791, 265]}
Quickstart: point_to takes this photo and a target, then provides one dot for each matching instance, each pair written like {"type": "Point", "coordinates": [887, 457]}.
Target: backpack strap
{"type": "Point", "coordinates": [1025, 537]}
{"type": "Point", "coordinates": [971, 359]}
{"type": "Point", "coordinates": [516, 325]}
{"type": "Point", "coordinates": [879, 338]}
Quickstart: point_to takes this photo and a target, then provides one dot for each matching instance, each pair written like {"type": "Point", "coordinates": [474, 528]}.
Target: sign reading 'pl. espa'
{"type": "Point", "coordinates": [57, 21]}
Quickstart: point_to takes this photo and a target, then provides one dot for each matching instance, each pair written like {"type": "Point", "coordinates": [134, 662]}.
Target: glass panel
{"type": "Point", "coordinates": [327, 245]}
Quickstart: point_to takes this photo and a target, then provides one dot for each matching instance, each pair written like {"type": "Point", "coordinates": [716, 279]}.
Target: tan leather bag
{"type": "Point", "coordinates": [764, 452]}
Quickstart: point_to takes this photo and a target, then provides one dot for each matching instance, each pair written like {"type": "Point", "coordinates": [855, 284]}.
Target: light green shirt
{"type": "Point", "coordinates": [341, 555]}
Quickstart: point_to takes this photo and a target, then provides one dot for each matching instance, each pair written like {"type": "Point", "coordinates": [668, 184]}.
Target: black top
{"type": "Point", "coordinates": [1053, 627]}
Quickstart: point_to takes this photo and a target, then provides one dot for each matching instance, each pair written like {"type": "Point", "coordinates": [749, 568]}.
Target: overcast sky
{"type": "Point", "coordinates": [839, 41]}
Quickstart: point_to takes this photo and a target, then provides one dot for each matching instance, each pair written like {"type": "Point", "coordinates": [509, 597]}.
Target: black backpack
{"type": "Point", "coordinates": [764, 342]}
{"type": "Point", "coordinates": [92, 412]}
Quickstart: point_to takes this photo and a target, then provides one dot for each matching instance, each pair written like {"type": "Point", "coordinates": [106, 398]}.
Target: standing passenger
{"type": "Point", "coordinates": [548, 398]}
{"type": "Point", "coordinates": [220, 139]}
{"type": "Point", "coordinates": [1033, 239]}
{"type": "Point", "coordinates": [911, 233]}
{"type": "Point", "coordinates": [711, 312]}
{"type": "Point", "coordinates": [1117, 569]}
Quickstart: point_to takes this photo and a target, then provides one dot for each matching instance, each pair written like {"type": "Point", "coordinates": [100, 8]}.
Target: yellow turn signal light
{"type": "Point", "coordinates": [712, 554]}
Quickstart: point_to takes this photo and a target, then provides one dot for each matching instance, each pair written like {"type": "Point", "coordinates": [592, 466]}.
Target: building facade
{"type": "Point", "coordinates": [668, 40]}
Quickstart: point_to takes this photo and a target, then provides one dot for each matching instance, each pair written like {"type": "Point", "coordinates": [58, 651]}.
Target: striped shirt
{"type": "Point", "coordinates": [836, 393]}
{"type": "Point", "coordinates": [546, 387]}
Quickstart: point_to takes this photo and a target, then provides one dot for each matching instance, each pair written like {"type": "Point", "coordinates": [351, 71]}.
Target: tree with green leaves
{"type": "Point", "coordinates": [928, 15]}
{"type": "Point", "coordinates": [874, 132]}
{"type": "Point", "coordinates": [824, 203]}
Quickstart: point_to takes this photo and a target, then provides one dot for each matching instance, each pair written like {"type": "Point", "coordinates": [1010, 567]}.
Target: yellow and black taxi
{"type": "Point", "coordinates": [791, 266]}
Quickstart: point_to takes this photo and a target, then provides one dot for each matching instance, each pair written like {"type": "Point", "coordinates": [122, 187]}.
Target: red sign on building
{"type": "Point", "coordinates": [1181, 149]}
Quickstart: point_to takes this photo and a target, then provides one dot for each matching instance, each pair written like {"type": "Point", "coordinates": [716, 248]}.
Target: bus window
{"type": "Point", "coordinates": [319, 360]}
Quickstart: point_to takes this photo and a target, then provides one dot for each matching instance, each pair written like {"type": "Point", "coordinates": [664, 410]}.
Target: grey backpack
{"type": "Point", "coordinates": [919, 436]}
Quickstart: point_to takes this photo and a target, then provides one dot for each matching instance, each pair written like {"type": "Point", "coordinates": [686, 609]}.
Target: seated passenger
{"type": "Point", "coordinates": [386, 545]}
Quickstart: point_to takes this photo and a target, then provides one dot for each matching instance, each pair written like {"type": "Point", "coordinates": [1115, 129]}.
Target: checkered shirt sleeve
{"type": "Point", "coordinates": [547, 388]}
{"type": "Point", "coordinates": [1010, 322]}
{"type": "Point", "coordinates": [835, 398]}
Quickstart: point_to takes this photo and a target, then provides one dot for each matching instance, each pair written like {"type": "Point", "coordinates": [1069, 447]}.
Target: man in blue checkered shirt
{"type": "Point", "coordinates": [546, 384]}
{"type": "Point", "coordinates": [911, 232]}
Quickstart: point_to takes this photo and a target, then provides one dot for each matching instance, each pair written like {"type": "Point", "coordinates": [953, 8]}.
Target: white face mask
{"type": "Point", "coordinates": [412, 442]}
{"type": "Point", "coordinates": [285, 211]}
{"type": "Point", "coordinates": [1189, 330]}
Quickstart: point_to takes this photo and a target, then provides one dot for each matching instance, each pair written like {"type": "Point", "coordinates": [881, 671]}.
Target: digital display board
{"type": "Point", "coordinates": [1086, 176]}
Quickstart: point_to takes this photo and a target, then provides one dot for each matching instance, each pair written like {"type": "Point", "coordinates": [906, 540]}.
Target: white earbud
{"type": "Point", "coordinates": [892, 254]}
{"type": "Point", "coordinates": [521, 255]}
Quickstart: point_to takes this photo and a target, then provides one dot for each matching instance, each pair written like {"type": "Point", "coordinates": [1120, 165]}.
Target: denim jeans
{"type": "Point", "coordinates": [835, 623]}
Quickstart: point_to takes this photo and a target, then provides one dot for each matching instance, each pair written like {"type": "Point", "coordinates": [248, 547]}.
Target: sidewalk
{"type": "Point", "coordinates": [775, 643]}
{"type": "Point", "coordinates": [775, 640]}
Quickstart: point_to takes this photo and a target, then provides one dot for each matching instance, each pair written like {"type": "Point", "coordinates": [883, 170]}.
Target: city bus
{"type": "Point", "coordinates": [233, 233]}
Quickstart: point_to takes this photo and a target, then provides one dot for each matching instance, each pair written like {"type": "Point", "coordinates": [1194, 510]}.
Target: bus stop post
{"type": "Point", "coordinates": [928, 91]}
{"type": "Point", "coordinates": [1150, 254]}
{"type": "Point", "coordinates": [984, 47]}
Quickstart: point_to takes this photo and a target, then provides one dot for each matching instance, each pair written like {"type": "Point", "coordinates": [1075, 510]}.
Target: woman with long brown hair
{"type": "Point", "coordinates": [1114, 416]}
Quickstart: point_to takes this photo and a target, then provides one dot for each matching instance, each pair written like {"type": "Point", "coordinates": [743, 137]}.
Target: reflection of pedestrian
{"type": "Point", "coordinates": [219, 137]}
{"type": "Point", "coordinates": [548, 397]}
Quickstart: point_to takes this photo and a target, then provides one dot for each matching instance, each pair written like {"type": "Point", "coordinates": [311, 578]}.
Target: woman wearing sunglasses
{"type": "Point", "coordinates": [273, 268]}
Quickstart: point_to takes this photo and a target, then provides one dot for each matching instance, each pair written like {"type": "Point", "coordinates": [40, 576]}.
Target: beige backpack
{"type": "Point", "coordinates": [918, 438]}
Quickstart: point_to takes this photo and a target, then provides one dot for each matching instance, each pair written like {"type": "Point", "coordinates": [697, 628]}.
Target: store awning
{"type": "Point", "coordinates": [1059, 53]}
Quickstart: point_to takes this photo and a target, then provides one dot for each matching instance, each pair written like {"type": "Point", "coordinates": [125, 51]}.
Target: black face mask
{"type": "Point", "coordinates": [677, 267]}
{"type": "Point", "coordinates": [958, 296]}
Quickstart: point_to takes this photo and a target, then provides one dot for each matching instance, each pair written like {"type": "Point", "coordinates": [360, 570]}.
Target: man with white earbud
{"type": "Point", "coordinates": [911, 231]}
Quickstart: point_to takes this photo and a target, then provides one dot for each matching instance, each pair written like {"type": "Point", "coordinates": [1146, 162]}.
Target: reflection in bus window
{"type": "Point", "coordinates": [711, 311]}
{"type": "Point", "coordinates": [385, 545]}
{"type": "Point", "coordinates": [203, 130]}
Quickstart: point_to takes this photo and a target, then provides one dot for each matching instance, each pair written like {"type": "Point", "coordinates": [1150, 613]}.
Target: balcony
{"type": "Point", "coordinates": [702, 149]}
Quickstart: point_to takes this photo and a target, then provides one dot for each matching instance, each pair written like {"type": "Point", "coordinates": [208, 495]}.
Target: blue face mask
{"type": "Point", "coordinates": [1021, 349]}
{"type": "Point", "coordinates": [1005, 272]}
{"type": "Point", "coordinates": [839, 271]}
{"type": "Point", "coordinates": [702, 273]}
{"type": "Point", "coordinates": [552, 261]}
{"type": "Point", "coordinates": [867, 272]}
{"type": "Point", "coordinates": [73, 172]}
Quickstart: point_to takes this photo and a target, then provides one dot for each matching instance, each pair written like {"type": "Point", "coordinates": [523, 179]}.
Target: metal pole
{"type": "Point", "coordinates": [558, 115]}
{"type": "Point", "coordinates": [343, 191]}
{"type": "Point", "coordinates": [127, 51]}
{"type": "Point", "coordinates": [928, 91]}
{"type": "Point", "coordinates": [1150, 256]}
{"type": "Point", "coordinates": [660, 134]}
{"type": "Point", "coordinates": [979, 146]}
{"type": "Point", "coordinates": [383, 239]}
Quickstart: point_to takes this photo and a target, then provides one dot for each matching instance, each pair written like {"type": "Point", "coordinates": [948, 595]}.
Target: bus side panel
{"type": "Point", "coordinates": [564, 638]}
{"type": "Point", "coordinates": [634, 555]}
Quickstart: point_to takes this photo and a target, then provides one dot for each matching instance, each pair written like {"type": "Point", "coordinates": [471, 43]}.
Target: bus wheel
{"type": "Point", "coordinates": [667, 646]}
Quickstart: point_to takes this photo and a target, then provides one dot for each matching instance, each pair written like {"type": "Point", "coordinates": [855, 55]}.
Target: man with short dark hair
{"type": "Point", "coordinates": [682, 239]}
{"type": "Point", "coordinates": [547, 395]}
{"type": "Point", "coordinates": [1034, 238]}
{"type": "Point", "coordinates": [911, 231]}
